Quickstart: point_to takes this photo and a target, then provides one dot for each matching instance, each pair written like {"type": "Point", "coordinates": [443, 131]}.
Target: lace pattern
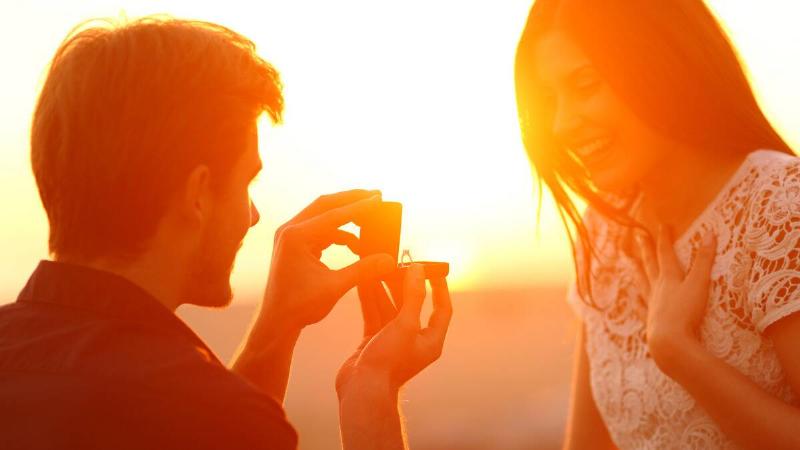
{"type": "Point", "coordinates": [755, 281]}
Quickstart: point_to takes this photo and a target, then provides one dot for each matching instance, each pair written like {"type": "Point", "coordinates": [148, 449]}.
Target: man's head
{"type": "Point", "coordinates": [145, 136]}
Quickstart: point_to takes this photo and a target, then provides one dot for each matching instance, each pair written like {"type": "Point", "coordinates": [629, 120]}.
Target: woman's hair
{"type": "Point", "coordinates": [127, 111]}
{"type": "Point", "coordinates": [669, 60]}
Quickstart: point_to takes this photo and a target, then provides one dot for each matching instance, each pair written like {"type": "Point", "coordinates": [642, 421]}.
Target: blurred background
{"type": "Point", "coordinates": [414, 98]}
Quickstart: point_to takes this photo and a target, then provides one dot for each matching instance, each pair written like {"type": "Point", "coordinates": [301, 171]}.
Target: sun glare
{"type": "Point", "coordinates": [415, 99]}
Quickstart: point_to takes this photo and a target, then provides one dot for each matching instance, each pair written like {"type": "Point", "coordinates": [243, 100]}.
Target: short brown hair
{"type": "Point", "coordinates": [126, 111]}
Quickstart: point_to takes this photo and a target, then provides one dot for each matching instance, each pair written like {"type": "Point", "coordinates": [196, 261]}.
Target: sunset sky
{"type": "Point", "coordinates": [414, 98]}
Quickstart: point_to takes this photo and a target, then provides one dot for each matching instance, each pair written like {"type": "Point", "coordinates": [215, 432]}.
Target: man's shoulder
{"type": "Point", "coordinates": [52, 339]}
{"type": "Point", "coordinates": [129, 379]}
{"type": "Point", "coordinates": [55, 338]}
{"type": "Point", "coordinates": [68, 411]}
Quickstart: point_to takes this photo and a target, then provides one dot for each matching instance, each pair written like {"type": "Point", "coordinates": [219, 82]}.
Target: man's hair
{"type": "Point", "coordinates": [126, 112]}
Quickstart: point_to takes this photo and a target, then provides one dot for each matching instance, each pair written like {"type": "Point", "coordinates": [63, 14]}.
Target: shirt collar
{"type": "Point", "coordinates": [105, 294]}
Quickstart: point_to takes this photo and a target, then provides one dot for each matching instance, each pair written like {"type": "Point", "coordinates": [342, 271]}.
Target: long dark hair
{"type": "Point", "coordinates": [670, 61]}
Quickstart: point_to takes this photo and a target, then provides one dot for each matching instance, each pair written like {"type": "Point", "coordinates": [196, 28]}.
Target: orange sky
{"type": "Point", "coordinates": [414, 98]}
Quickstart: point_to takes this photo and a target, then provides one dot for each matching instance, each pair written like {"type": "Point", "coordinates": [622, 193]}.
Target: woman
{"type": "Point", "coordinates": [687, 258]}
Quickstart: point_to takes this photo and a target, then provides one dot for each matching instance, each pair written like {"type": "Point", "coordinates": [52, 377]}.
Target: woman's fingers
{"type": "Point", "coordinates": [648, 255]}
{"type": "Point", "coordinates": [668, 264]}
{"type": "Point", "coordinates": [700, 272]}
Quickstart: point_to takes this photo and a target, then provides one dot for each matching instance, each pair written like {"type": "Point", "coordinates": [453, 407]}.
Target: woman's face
{"type": "Point", "coordinates": [590, 121]}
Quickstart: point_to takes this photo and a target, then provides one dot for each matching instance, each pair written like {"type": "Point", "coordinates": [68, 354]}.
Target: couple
{"type": "Point", "coordinates": [687, 259]}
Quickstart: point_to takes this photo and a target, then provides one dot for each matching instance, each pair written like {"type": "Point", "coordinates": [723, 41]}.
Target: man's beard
{"type": "Point", "coordinates": [208, 282]}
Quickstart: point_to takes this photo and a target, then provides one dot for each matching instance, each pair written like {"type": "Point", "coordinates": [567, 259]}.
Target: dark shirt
{"type": "Point", "coordinates": [90, 360]}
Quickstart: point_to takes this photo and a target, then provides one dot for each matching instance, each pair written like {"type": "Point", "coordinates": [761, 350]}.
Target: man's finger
{"type": "Point", "coordinates": [332, 201]}
{"type": "Point", "coordinates": [367, 269]}
{"type": "Point", "coordinates": [376, 307]}
{"type": "Point", "coordinates": [442, 310]}
{"type": "Point", "coordinates": [704, 260]}
{"type": "Point", "coordinates": [394, 282]}
{"type": "Point", "coordinates": [369, 310]}
{"type": "Point", "coordinates": [339, 237]}
{"type": "Point", "coordinates": [413, 295]}
{"type": "Point", "coordinates": [383, 304]}
{"type": "Point", "coordinates": [330, 220]}
{"type": "Point", "coordinates": [667, 260]}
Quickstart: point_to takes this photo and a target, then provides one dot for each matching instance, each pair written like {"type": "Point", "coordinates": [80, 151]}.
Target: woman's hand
{"type": "Point", "coordinates": [677, 301]}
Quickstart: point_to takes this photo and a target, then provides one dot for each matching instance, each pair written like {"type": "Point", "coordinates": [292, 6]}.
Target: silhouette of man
{"type": "Point", "coordinates": [143, 145]}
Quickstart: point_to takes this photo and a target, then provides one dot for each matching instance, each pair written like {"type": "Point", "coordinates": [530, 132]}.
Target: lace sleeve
{"type": "Point", "coordinates": [772, 239]}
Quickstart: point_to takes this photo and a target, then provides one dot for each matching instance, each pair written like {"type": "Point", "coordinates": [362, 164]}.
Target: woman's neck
{"type": "Point", "coordinates": [680, 189]}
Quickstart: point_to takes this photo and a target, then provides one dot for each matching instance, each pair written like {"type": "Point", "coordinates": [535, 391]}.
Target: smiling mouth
{"type": "Point", "coordinates": [592, 152]}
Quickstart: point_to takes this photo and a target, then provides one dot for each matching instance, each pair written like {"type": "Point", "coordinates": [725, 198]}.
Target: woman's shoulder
{"type": "Point", "coordinates": [775, 177]}
{"type": "Point", "coordinates": [767, 155]}
{"type": "Point", "coordinates": [763, 177]}
{"type": "Point", "coordinates": [771, 238]}
{"type": "Point", "coordinates": [773, 164]}
{"type": "Point", "coordinates": [768, 199]}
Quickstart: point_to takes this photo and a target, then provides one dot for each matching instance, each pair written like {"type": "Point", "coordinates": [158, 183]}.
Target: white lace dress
{"type": "Point", "coordinates": [756, 218]}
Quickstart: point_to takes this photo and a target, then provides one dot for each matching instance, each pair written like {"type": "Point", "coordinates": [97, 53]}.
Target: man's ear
{"type": "Point", "coordinates": [196, 202]}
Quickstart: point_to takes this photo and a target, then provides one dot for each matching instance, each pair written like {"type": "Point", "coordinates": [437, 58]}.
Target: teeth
{"type": "Point", "coordinates": [591, 148]}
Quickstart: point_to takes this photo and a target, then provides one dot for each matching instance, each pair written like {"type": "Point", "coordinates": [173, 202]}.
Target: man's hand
{"type": "Point", "coordinates": [395, 346]}
{"type": "Point", "coordinates": [301, 290]}
{"type": "Point", "coordinates": [394, 349]}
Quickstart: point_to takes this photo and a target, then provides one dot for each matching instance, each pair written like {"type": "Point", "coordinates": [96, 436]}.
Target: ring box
{"type": "Point", "coordinates": [380, 233]}
{"type": "Point", "coordinates": [433, 269]}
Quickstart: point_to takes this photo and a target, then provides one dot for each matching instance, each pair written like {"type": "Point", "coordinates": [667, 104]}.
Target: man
{"type": "Point", "coordinates": [143, 145]}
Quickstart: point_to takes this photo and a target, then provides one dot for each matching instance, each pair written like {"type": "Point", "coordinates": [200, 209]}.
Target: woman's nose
{"type": "Point", "coordinates": [565, 121]}
{"type": "Point", "coordinates": [254, 215]}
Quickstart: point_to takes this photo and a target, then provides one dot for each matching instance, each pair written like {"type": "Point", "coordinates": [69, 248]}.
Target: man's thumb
{"type": "Point", "coordinates": [368, 268]}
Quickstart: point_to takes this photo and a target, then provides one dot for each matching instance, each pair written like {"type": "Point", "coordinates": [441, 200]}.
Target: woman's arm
{"type": "Point", "coordinates": [585, 427]}
{"type": "Point", "coordinates": [750, 416]}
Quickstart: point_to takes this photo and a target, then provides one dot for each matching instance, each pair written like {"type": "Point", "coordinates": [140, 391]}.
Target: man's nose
{"type": "Point", "coordinates": [254, 215]}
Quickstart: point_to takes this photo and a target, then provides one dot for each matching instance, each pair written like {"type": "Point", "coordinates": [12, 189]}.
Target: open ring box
{"type": "Point", "coordinates": [380, 233]}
